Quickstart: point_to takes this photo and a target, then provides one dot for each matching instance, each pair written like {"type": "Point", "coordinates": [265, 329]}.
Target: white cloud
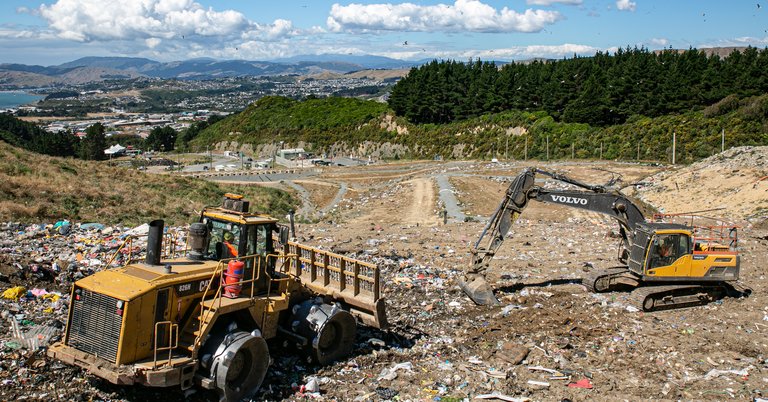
{"type": "Point", "coordinates": [153, 42]}
{"type": "Point", "coordinates": [550, 2]}
{"type": "Point", "coordinates": [511, 53]}
{"type": "Point", "coordinates": [626, 5]}
{"type": "Point", "coordinates": [96, 20]}
{"type": "Point", "coordinates": [461, 16]}
{"type": "Point", "coordinates": [736, 42]}
{"type": "Point", "coordinates": [659, 42]}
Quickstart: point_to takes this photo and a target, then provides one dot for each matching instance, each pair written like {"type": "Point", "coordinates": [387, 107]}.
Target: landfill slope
{"type": "Point", "coordinates": [548, 341]}
{"type": "Point", "coordinates": [731, 185]}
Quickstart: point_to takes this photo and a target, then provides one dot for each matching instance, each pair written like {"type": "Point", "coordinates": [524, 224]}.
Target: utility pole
{"type": "Point", "coordinates": [722, 141]}
{"type": "Point", "coordinates": [674, 144]}
{"type": "Point", "coordinates": [526, 147]}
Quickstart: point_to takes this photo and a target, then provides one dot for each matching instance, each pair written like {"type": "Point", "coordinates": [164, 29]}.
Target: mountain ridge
{"type": "Point", "coordinates": [103, 68]}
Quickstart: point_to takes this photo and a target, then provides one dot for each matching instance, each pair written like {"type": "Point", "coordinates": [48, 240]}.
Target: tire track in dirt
{"type": "Point", "coordinates": [420, 211]}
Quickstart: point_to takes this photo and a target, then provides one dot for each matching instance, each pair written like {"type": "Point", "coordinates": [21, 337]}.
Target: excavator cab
{"type": "Point", "coordinates": [669, 254]}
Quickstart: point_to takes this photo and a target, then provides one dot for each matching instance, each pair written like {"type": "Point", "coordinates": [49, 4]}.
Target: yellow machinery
{"type": "Point", "coordinates": [198, 319]}
{"type": "Point", "coordinates": [668, 265]}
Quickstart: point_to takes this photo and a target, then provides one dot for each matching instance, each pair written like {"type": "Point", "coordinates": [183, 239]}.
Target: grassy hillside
{"type": "Point", "coordinates": [319, 121]}
{"type": "Point", "coordinates": [325, 123]}
{"type": "Point", "coordinates": [38, 188]}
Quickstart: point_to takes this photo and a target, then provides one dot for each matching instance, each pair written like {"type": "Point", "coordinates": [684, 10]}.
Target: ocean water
{"type": "Point", "coordinates": [13, 99]}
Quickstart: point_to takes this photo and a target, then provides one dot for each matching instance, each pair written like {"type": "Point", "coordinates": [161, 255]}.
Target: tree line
{"type": "Point", "coordinates": [601, 90]}
{"type": "Point", "coordinates": [29, 136]}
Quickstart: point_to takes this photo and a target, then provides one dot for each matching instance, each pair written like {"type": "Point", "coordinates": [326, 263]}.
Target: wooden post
{"type": "Point", "coordinates": [722, 141]}
{"type": "Point", "coordinates": [674, 145]}
{"type": "Point", "coordinates": [312, 266]}
{"type": "Point", "coordinates": [573, 146]}
{"type": "Point", "coordinates": [356, 278]}
{"type": "Point", "coordinates": [326, 271]}
{"type": "Point", "coordinates": [547, 147]}
{"type": "Point", "coordinates": [342, 274]}
{"type": "Point", "coordinates": [638, 150]}
{"type": "Point", "coordinates": [526, 147]}
{"type": "Point", "coordinates": [601, 150]}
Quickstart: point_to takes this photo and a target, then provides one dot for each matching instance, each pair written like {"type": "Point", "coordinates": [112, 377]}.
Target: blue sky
{"type": "Point", "coordinates": [55, 31]}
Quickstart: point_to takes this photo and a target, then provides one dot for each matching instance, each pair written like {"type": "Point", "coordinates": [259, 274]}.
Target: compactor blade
{"type": "Point", "coordinates": [478, 290]}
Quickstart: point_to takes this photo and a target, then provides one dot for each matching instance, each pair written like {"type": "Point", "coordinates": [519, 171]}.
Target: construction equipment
{"type": "Point", "coordinates": [204, 318]}
{"type": "Point", "coordinates": [668, 265]}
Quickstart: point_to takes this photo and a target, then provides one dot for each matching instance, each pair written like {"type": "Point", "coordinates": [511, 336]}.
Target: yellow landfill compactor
{"type": "Point", "coordinates": [204, 318]}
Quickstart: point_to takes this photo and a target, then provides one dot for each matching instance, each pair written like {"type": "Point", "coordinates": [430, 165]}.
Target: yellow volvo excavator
{"type": "Point", "coordinates": [204, 318]}
{"type": "Point", "coordinates": [666, 265]}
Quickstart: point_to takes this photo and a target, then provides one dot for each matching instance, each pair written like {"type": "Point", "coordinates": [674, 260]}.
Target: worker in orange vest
{"type": "Point", "coordinates": [229, 239]}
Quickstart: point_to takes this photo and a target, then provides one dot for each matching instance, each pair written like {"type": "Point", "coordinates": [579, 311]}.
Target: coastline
{"type": "Point", "coordinates": [15, 98]}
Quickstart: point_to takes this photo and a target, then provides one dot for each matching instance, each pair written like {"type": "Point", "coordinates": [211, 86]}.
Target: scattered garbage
{"type": "Point", "coordinates": [441, 347]}
{"type": "Point", "coordinates": [582, 383]}
{"type": "Point", "coordinates": [391, 373]}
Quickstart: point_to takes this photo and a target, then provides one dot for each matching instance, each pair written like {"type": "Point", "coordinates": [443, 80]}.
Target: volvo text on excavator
{"type": "Point", "coordinates": [666, 265]}
{"type": "Point", "coordinates": [205, 317]}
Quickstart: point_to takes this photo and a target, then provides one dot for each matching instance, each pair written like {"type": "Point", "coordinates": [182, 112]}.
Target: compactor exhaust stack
{"type": "Point", "coordinates": [154, 242]}
{"type": "Point", "coordinates": [198, 234]}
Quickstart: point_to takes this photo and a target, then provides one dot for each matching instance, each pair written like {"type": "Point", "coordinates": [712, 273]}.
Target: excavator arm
{"type": "Point", "coordinates": [593, 198]}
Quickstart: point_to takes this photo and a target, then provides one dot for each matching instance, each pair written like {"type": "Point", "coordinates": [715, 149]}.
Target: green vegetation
{"type": "Point", "coordinates": [601, 90]}
{"type": "Point", "coordinates": [514, 134]}
{"type": "Point", "coordinates": [36, 188]}
{"type": "Point", "coordinates": [161, 139]}
{"type": "Point", "coordinates": [322, 122]}
{"type": "Point", "coordinates": [29, 136]}
{"type": "Point", "coordinates": [95, 142]}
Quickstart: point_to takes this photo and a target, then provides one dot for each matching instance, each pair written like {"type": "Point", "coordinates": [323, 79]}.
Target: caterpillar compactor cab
{"type": "Point", "coordinates": [665, 265]}
{"type": "Point", "coordinates": [204, 317]}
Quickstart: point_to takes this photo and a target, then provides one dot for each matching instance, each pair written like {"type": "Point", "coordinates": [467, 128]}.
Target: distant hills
{"type": "Point", "coordinates": [90, 69]}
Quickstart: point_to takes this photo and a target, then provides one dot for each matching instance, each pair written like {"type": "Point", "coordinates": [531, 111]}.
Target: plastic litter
{"type": "Point", "coordinates": [714, 373]}
{"type": "Point", "coordinates": [501, 397]}
{"type": "Point", "coordinates": [391, 373]}
{"type": "Point", "coordinates": [583, 383]}
{"type": "Point", "coordinates": [15, 293]}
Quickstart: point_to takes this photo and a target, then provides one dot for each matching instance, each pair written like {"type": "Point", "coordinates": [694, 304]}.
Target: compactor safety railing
{"type": "Point", "coordinates": [252, 272]}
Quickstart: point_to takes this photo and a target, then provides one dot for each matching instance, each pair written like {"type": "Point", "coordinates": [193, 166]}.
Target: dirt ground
{"type": "Point", "coordinates": [551, 340]}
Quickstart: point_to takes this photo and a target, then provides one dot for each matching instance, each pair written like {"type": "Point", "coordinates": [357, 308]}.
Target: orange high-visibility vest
{"type": "Point", "coordinates": [232, 248]}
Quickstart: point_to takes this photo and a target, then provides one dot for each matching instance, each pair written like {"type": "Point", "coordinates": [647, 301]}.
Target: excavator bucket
{"type": "Point", "coordinates": [478, 290]}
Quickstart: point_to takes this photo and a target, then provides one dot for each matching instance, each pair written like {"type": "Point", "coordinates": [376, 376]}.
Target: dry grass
{"type": "Point", "coordinates": [40, 188]}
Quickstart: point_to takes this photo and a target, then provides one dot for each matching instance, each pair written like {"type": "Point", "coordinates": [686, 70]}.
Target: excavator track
{"type": "Point", "coordinates": [608, 280]}
{"type": "Point", "coordinates": [656, 298]}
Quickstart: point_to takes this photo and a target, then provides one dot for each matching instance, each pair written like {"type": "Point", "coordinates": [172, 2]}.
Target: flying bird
{"type": "Point", "coordinates": [405, 43]}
